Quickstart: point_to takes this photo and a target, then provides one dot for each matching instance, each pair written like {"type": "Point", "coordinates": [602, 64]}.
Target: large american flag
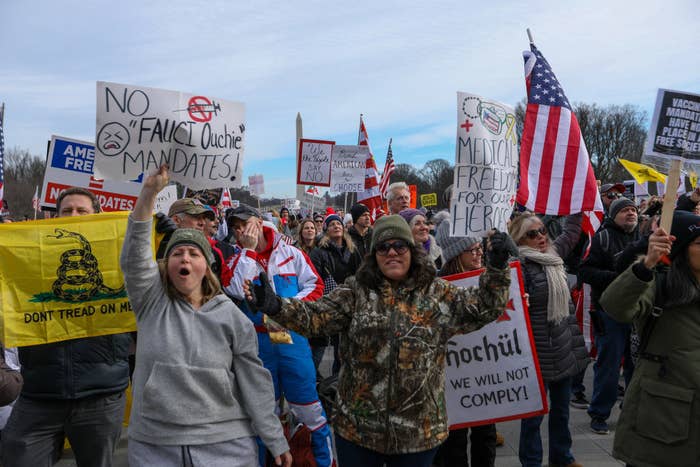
{"type": "Point", "coordinates": [371, 197]}
{"type": "Point", "coordinates": [389, 168]}
{"type": "Point", "coordinates": [556, 176]}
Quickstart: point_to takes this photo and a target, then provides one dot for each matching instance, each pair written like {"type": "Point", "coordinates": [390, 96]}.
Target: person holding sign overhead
{"type": "Point", "coordinates": [201, 393]}
{"type": "Point", "coordinates": [560, 347]}
{"type": "Point", "coordinates": [395, 317]}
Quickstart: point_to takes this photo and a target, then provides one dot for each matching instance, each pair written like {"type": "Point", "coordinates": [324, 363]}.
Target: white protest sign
{"type": "Point", "coordinates": [166, 197]}
{"type": "Point", "coordinates": [314, 162]}
{"type": "Point", "coordinates": [349, 166]}
{"type": "Point", "coordinates": [493, 374]}
{"type": "Point", "coordinates": [486, 166]}
{"type": "Point", "coordinates": [70, 164]}
{"type": "Point", "coordinates": [256, 184]}
{"type": "Point", "coordinates": [141, 128]}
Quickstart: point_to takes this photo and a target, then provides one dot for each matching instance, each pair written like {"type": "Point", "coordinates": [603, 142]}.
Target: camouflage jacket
{"type": "Point", "coordinates": [391, 390]}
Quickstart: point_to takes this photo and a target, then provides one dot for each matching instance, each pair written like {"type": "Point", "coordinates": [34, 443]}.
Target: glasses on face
{"type": "Point", "coordinates": [399, 246]}
{"type": "Point", "coordinates": [532, 234]}
{"type": "Point", "coordinates": [475, 251]}
{"type": "Point", "coordinates": [613, 195]}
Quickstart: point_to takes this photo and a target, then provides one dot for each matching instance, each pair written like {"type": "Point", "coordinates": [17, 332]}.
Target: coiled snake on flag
{"type": "Point", "coordinates": [79, 279]}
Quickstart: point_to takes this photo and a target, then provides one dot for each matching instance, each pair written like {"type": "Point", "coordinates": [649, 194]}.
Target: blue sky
{"type": "Point", "coordinates": [400, 63]}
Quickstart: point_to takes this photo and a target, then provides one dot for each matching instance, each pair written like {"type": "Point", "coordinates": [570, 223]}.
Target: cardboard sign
{"type": "Point", "coordinates": [493, 374]}
{"type": "Point", "coordinates": [315, 162]}
{"type": "Point", "coordinates": [70, 164]}
{"type": "Point", "coordinates": [165, 199]}
{"type": "Point", "coordinates": [140, 128]}
{"type": "Point", "coordinates": [675, 126]}
{"type": "Point", "coordinates": [256, 185]}
{"type": "Point", "coordinates": [486, 166]}
{"type": "Point", "coordinates": [60, 279]}
{"type": "Point", "coordinates": [428, 200]}
{"type": "Point", "coordinates": [348, 172]}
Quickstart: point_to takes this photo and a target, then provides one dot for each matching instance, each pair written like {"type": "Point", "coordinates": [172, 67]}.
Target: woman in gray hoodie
{"type": "Point", "coordinates": [201, 394]}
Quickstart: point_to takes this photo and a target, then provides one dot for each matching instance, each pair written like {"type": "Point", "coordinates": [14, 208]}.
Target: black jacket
{"type": "Point", "coordinates": [599, 268]}
{"type": "Point", "coordinates": [76, 368]}
{"type": "Point", "coordinates": [339, 263]}
{"type": "Point", "coordinates": [361, 243]}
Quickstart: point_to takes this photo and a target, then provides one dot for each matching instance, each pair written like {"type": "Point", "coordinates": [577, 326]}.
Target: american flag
{"type": "Point", "coordinates": [225, 198]}
{"type": "Point", "coordinates": [556, 176]}
{"type": "Point", "coordinates": [2, 156]}
{"type": "Point", "coordinates": [371, 197]}
{"type": "Point", "coordinates": [389, 168]}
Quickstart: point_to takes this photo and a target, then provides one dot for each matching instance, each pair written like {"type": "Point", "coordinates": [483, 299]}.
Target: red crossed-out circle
{"type": "Point", "coordinates": [198, 108]}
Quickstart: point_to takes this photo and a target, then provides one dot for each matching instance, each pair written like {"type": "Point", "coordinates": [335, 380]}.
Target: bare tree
{"type": "Point", "coordinates": [23, 173]}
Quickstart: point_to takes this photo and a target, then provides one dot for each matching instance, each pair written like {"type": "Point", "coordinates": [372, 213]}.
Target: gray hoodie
{"type": "Point", "coordinates": [198, 378]}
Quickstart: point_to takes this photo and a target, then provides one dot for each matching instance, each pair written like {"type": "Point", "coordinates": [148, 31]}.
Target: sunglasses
{"type": "Point", "coordinates": [613, 195]}
{"type": "Point", "coordinates": [399, 246]}
{"type": "Point", "coordinates": [532, 234]}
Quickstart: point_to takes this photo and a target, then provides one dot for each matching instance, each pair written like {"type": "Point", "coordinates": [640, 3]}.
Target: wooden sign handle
{"type": "Point", "coordinates": [670, 195]}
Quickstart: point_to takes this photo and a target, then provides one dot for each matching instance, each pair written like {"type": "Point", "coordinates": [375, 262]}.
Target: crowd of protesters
{"type": "Point", "coordinates": [239, 307]}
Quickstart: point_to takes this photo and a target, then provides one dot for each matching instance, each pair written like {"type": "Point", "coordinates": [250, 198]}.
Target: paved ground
{"type": "Point", "coordinates": [590, 449]}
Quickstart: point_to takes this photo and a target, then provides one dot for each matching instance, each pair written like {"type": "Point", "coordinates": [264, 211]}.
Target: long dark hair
{"type": "Point", "coordinates": [422, 270]}
{"type": "Point", "coordinates": [681, 286]}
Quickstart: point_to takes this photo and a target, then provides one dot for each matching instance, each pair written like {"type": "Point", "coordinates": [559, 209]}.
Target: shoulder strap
{"type": "Point", "coordinates": [651, 322]}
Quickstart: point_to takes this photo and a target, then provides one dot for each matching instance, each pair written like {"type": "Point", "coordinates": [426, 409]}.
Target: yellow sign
{"type": "Point", "coordinates": [60, 279]}
{"type": "Point", "coordinates": [428, 200]}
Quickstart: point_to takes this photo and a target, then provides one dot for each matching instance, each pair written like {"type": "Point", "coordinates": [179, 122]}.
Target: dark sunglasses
{"type": "Point", "coordinates": [613, 195]}
{"type": "Point", "coordinates": [532, 234]}
{"type": "Point", "coordinates": [399, 246]}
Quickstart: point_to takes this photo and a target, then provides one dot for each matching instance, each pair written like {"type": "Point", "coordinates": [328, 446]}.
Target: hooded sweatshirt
{"type": "Point", "coordinates": [198, 379]}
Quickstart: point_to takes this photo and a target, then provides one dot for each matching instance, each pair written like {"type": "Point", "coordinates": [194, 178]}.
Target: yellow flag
{"type": "Point", "coordinates": [60, 279]}
{"type": "Point", "coordinates": [642, 173]}
{"type": "Point", "coordinates": [693, 179]}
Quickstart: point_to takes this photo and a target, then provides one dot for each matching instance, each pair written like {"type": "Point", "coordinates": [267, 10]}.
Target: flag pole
{"type": "Point", "coordinates": [529, 36]}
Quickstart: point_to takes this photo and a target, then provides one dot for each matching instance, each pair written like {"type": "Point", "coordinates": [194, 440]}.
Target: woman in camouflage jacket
{"type": "Point", "coordinates": [395, 317]}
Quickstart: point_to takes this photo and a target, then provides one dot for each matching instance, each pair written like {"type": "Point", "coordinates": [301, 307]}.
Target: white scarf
{"type": "Point", "coordinates": [557, 284]}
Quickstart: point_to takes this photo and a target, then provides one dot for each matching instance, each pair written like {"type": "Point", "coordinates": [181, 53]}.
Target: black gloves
{"type": "Point", "coordinates": [164, 224]}
{"type": "Point", "coordinates": [501, 249]}
{"type": "Point", "coordinates": [264, 298]}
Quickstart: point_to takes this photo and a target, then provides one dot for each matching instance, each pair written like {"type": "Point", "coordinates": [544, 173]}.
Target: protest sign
{"type": "Point", "coordinates": [493, 374]}
{"type": "Point", "coordinates": [210, 196]}
{"type": "Point", "coordinates": [348, 172]}
{"type": "Point", "coordinates": [486, 164]}
{"type": "Point", "coordinates": [314, 162]}
{"type": "Point", "coordinates": [165, 199]}
{"type": "Point", "coordinates": [140, 128]}
{"type": "Point", "coordinates": [70, 163]}
{"type": "Point", "coordinates": [428, 200]}
{"type": "Point", "coordinates": [256, 184]}
{"type": "Point", "coordinates": [60, 279]}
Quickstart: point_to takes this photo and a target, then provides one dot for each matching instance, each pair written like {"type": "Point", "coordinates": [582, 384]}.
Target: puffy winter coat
{"type": "Point", "coordinates": [660, 420]}
{"type": "Point", "coordinates": [391, 390]}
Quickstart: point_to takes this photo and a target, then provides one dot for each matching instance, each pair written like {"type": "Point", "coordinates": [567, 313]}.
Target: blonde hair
{"type": "Point", "coordinates": [210, 283]}
{"type": "Point", "coordinates": [521, 224]}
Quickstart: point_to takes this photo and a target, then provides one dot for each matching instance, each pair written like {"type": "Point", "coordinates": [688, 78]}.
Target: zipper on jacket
{"type": "Point", "coordinates": [392, 353]}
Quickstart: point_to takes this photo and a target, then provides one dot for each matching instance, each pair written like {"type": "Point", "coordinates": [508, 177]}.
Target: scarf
{"type": "Point", "coordinates": [557, 285]}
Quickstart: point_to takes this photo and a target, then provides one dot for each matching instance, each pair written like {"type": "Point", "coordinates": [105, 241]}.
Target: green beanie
{"type": "Point", "coordinates": [190, 237]}
{"type": "Point", "coordinates": [388, 227]}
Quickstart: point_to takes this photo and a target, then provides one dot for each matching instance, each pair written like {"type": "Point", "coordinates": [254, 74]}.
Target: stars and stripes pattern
{"type": "Point", "coordinates": [371, 197]}
{"type": "Point", "coordinates": [556, 176]}
{"type": "Point", "coordinates": [225, 198]}
{"type": "Point", "coordinates": [389, 168]}
{"type": "Point", "coordinates": [2, 161]}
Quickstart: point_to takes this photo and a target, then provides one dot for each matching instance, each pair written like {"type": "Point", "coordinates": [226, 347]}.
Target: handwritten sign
{"type": "Point", "coordinates": [139, 128]}
{"type": "Point", "coordinates": [428, 200]}
{"type": "Point", "coordinates": [493, 374]}
{"type": "Point", "coordinates": [166, 197]}
{"type": "Point", "coordinates": [70, 164]}
{"type": "Point", "coordinates": [675, 127]}
{"type": "Point", "coordinates": [315, 162]}
{"type": "Point", "coordinates": [348, 173]}
{"type": "Point", "coordinates": [256, 184]}
{"type": "Point", "coordinates": [486, 166]}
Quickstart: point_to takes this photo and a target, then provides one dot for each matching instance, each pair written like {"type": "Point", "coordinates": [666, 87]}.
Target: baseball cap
{"type": "Point", "coordinates": [243, 212]}
{"type": "Point", "coordinates": [612, 186]}
{"type": "Point", "coordinates": [190, 206]}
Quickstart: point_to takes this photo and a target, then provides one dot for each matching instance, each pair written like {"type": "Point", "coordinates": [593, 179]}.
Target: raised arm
{"type": "Point", "coordinates": [153, 184]}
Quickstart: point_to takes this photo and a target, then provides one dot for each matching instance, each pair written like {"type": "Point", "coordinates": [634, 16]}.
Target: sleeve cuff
{"type": "Point", "coordinates": [641, 272]}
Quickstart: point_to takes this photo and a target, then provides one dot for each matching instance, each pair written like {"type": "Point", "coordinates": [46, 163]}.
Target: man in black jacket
{"type": "Point", "coordinates": [361, 230]}
{"type": "Point", "coordinates": [72, 389]}
{"type": "Point", "coordinates": [611, 338]}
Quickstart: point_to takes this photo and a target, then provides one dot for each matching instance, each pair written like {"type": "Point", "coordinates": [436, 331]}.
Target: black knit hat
{"type": "Point", "coordinates": [619, 204]}
{"type": "Point", "coordinates": [357, 210]}
{"type": "Point", "coordinates": [685, 227]}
